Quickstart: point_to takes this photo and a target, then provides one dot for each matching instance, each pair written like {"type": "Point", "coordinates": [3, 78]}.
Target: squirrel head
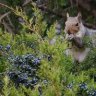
{"type": "Point", "coordinates": [72, 24]}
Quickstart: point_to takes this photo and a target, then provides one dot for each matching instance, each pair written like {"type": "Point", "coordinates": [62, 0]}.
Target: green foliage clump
{"type": "Point", "coordinates": [55, 71]}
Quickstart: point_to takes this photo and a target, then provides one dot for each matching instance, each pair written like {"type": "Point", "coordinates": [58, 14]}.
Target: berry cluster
{"type": "Point", "coordinates": [83, 86]}
{"type": "Point", "coordinates": [83, 89]}
{"type": "Point", "coordinates": [91, 92]}
{"type": "Point", "coordinates": [69, 86]}
{"type": "Point", "coordinates": [24, 70]}
{"type": "Point", "coordinates": [6, 48]}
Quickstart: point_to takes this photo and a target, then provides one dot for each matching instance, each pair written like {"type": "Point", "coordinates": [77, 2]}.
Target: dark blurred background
{"type": "Point", "coordinates": [52, 10]}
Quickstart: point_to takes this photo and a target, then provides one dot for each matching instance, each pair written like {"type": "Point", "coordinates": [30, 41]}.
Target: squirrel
{"type": "Point", "coordinates": [75, 33]}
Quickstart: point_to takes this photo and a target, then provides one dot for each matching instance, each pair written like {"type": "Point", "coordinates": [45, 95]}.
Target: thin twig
{"type": "Point", "coordinates": [10, 21]}
{"type": "Point", "coordinates": [7, 6]}
{"type": "Point", "coordinates": [7, 27]}
{"type": "Point", "coordinates": [4, 15]}
{"type": "Point", "coordinates": [26, 2]}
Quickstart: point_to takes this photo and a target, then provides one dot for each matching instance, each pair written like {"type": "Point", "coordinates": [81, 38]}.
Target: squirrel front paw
{"type": "Point", "coordinates": [69, 37]}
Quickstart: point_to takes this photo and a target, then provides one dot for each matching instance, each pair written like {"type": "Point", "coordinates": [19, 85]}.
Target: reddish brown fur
{"type": "Point", "coordinates": [75, 34]}
{"type": "Point", "coordinates": [72, 24]}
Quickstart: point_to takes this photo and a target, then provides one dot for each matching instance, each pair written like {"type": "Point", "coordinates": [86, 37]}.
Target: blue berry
{"type": "Point", "coordinates": [92, 92]}
{"type": "Point", "coordinates": [45, 82]}
{"type": "Point", "coordinates": [69, 86]}
{"type": "Point", "coordinates": [83, 86]}
{"type": "Point", "coordinates": [11, 74]}
{"type": "Point", "coordinates": [40, 90]}
{"type": "Point", "coordinates": [1, 47]}
{"type": "Point", "coordinates": [36, 61]}
{"type": "Point", "coordinates": [29, 56]}
{"type": "Point", "coordinates": [21, 80]}
{"type": "Point", "coordinates": [34, 80]}
{"type": "Point", "coordinates": [49, 57]}
{"type": "Point", "coordinates": [8, 47]}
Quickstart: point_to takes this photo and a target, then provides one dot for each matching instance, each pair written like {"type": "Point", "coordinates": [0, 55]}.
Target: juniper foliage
{"type": "Point", "coordinates": [32, 66]}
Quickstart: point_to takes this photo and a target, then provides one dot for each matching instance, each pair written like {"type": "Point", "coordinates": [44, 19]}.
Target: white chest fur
{"type": "Point", "coordinates": [79, 55]}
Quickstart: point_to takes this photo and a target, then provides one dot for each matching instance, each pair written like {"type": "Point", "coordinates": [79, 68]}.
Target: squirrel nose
{"type": "Point", "coordinates": [69, 32]}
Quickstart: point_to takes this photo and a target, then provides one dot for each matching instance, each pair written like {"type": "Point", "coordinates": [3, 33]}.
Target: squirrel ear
{"type": "Point", "coordinates": [79, 16]}
{"type": "Point", "coordinates": [67, 14]}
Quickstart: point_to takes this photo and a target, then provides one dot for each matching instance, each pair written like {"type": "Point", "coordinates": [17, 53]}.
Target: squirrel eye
{"type": "Point", "coordinates": [76, 24]}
